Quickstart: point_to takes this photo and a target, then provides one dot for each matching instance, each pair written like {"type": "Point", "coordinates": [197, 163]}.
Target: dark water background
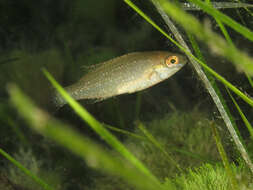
{"type": "Point", "coordinates": [63, 35]}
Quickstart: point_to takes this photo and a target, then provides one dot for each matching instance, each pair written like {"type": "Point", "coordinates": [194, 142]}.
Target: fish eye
{"type": "Point", "coordinates": [171, 60]}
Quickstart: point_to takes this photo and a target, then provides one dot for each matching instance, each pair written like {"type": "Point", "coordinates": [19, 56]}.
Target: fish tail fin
{"type": "Point", "coordinates": [57, 100]}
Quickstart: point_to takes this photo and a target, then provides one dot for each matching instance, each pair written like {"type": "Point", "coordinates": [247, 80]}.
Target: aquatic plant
{"type": "Point", "coordinates": [144, 169]}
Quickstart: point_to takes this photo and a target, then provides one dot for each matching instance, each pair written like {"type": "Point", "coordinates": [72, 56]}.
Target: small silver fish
{"type": "Point", "coordinates": [125, 74]}
{"type": "Point", "coordinates": [216, 5]}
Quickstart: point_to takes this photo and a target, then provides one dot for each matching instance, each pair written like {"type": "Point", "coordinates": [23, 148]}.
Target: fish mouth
{"type": "Point", "coordinates": [181, 64]}
{"type": "Point", "coordinates": [182, 60]}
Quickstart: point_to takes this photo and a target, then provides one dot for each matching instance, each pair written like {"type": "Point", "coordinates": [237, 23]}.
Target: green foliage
{"type": "Point", "coordinates": [167, 146]}
{"type": "Point", "coordinates": [18, 177]}
{"type": "Point", "coordinates": [225, 19]}
{"type": "Point", "coordinates": [175, 132]}
{"type": "Point", "coordinates": [93, 154]}
{"type": "Point", "coordinates": [193, 26]}
{"type": "Point", "coordinates": [98, 128]}
{"type": "Point", "coordinates": [179, 135]}
{"type": "Point", "coordinates": [27, 159]}
{"type": "Point", "coordinates": [209, 177]}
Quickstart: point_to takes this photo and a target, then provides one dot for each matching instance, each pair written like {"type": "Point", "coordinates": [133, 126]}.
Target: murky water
{"type": "Point", "coordinates": [63, 36]}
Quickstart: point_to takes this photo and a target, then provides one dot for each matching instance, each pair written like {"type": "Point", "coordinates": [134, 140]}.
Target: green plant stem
{"type": "Point", "coordinates": [249, 79]}
{"type": "Point", "coordinates": [245, 120]}
{"type": "Point", "coordinates": [224, 158]}
{"type": "Point", "coordinates": [152, 139]}
{"type": "Point", "coordinates": [130, 134]}
{"type": "Point", "coordinates": [96, 156]}
{"type": "Point", "coordinates": [225, 19]}
{"type": "Point", "coordinates": [214, 41]}
{"type": "Point", "coordinates": [99, 129]}
{"type": "Point", "coordinates": [138, 105]}
{"type": "Point", "coordinates": [219, 77]}
{"type": "Point", "coordinates": [208, 86]}
{"type": "Point", "coordinates": [212, 81]}
{"type": "Point", "coordinates": [25, 170]}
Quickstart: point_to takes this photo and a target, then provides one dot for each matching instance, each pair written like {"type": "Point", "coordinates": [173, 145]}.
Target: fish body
{"type": "Point", "coordinates": [216, 5]}
{"type": "Point", "coordinates": [125, 74]}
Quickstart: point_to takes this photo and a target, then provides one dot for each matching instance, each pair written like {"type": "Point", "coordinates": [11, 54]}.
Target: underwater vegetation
{"type": "Point", "coordinates": [191, 131]}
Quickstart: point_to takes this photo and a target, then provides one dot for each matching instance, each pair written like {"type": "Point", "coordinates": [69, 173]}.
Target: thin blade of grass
{"type": "Point", "coordinates": [210, 77]}
{"type": "Point", "coordinates": [229, 40]}
{"type": "Point", "coordinates": [152, 139]}
{"type": "Point", "coordinates": [211, 90]}
{"type": "Point", "coordinates": [246, 8]}
{"type": "Point", "coordinates": [219, 77]}
{"type": "Point", "coordinates": [249, 79]}
{"type": "Point", "coordinates": [224, 158]}
{"type": "Point", "coordinates": [138, 105]}
{"type": "Point", "coordinates": [130, 134]}
{"type": "Point", "coordinates": [43, 184]}
{"type": "Point", "coordinates": [244, 118]}
{"type": "Point", "coordinates": [246, 122]}
{"type": "Point", "coordinates": [201, 74]}
{"type": "Point", "coordinates": [99, 129]}
{"type": "Point", "coordinates": [199, 55]}
{"type": "Point", "coordinates": [192, 154]}
{"type": "Point", "coordinates": [93, 154]}
{"type": "Point", "coordinates": [119, 114]}
{"type": "Point", "coordinates": [224, 18]}
{"type": "Point", "coordinates": [214, 85]}
{"type": "Point", "coordinates": [143, 138]}
{"type": "Point", "coordinates": [216, 43]}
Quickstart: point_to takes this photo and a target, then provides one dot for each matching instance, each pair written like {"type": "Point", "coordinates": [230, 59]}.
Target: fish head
{"type": "Point", "coordinates": [169, 64]}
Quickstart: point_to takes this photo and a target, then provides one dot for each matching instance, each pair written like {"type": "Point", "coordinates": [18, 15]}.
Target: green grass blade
{"type": "Point", "coordinates": [152, 139]}
{"type": "Point", "coordinates": [249, 79]}
{"type": "Point", "coordinates": [130, 134]}
{"type": "Point", "coordinates": [224, 158]}
{"type": "Point", "coordinates": [246, 8]}
{"type": "Point", "coordinates": [93, 154]}
{"type": "Point", "coordinates": [138, 105]}
{"type": "Point", "coordinates": [224, 31]}
{"type": "Point", "coordinates": [25, 170]}
{"type": "Point", "coordinates": [219, 77]}
{"type": "Point", "coordinates": [214, 41]}
{"type": "Point", "coordinates": [188, 18]}
{"type": "Point", "coordinates": [119, 115]}
{"type": "Point", "coordinates": [214, 85]}
{"type": "Point", "coordinates": [99, 129]}
{"type": "Point", "coordinates": [229, 85]}
{"type": "Point", "coordinates": [192, 154]}
{"type": "Point", "coordinates": [142, 138]}
{"type": "Point", "coordinates": [225, 19]}
{"type": "Point", "coordinates": [245, 120]}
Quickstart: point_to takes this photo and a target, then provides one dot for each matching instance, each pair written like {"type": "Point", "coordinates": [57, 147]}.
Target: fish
{"type": "Point", "coordinates": [128, 73]}
{"type": "Point", "coordinates": [216, 5]}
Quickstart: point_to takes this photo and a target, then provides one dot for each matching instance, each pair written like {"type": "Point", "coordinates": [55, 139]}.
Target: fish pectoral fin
{"type": "Point", "coordinates": [153, 75]}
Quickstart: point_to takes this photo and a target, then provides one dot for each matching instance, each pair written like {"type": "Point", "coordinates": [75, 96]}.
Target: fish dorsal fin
{"type": "Point", "coordinates": [92, 67]}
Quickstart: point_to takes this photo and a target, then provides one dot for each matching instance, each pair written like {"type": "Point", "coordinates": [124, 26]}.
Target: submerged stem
{"type": "Point", "coordinates": [207, 85]}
